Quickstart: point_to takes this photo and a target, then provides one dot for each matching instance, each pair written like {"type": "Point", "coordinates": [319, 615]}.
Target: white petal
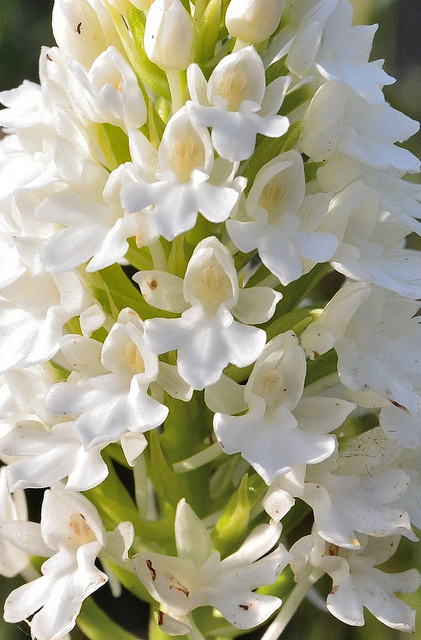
{"type": "Point", "coordinates": [25, 536]}
{"type": "Point", "coordinates": [22, 602]}
{"type": "Point", "coordinates": [133, 444]}
{"type": "Point", "coordinates": [256, 305]}
{"type": "Point", "coordinates": [245, 343]}
{"type": "Point", "coordinates": [225, 396]}
{"type": "Point", "coordinates": [162, 290]}
{"type": "Point", "coordinates": [274, 95]}
{"type": "Point", "coordinates": [321, 415]}
{"type": "Point", "coordinates": [170, 380]}
{"type": "Point", "coordinates": [162, 334]}
{"type": "Point", "coordinates": [192, 539]}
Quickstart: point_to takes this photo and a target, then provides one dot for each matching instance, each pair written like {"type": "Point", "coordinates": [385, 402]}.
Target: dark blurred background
{"type": "Point", "coordinates": [25, 25]}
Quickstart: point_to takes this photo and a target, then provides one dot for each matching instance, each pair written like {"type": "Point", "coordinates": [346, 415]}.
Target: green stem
{"type": "Point", "coordinates": [140, 475]}
{"type": "Point", "coordinates": [145, 70]}
{"type": "Point", "coordinates": [199, 459]}
{"type": "Point", "coordinates": [174, 82]}
{"type": "Point", "coordinates": [127, 42]}
{"type": "Point", "coordinates": [290, 607]}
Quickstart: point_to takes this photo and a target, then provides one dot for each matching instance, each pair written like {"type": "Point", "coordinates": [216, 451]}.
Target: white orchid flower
{"type": "Point", "coordinates": [108, 92]}
{"type": "Point", "coordinates": [70, 535]}
{"type": "Point", "coordinates": [115, 401]}
{"type": "Point", "coordinates": [237, 104]}
{"type": "Point", "coordinates": [177, 181]}
{"type": "Point", "coordinates": [282, 223]}
{"type": "Point", "coordinates": [280, 428]}
{"type": "Point", "coordinates": [206, 336]}
{"type": "Point", "coordinates": [198, 577]}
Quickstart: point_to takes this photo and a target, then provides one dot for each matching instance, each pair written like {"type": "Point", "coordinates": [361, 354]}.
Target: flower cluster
{"type": "Point", "coordinates": [172, 194]}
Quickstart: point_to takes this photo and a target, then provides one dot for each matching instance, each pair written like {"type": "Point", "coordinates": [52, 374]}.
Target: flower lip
{"type": "Point", "coordinates": [79, 530]}
{"type": "Point", "coordinates": [211, 279]}
{"type": "Point", "coordinates": [237, 78]}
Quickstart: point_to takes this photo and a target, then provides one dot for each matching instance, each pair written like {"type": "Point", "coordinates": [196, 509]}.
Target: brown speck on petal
{"type": "Point", "coordinates": [244, 606]}
{"type": "Point", "coordinates": [331, 549]}
{"type": "Point", "coordinates": [174, 584]}
{"type": "Point", "coordinates": [399, 406]}
{"type": "Point", "coordinates": [151, 569]}
{"type": "Point", "coordinates": [179, 587]}
{"type": "Point", "coordinates": [152, 284]}
{"type": "Point", "coordinates": [78, 27]}
{"type": "Point", "coordinates": [160, 617]}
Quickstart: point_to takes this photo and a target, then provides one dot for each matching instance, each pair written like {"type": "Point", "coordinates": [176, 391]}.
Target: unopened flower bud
{"type": "Point", "coordinates": [169, 35]}
{"type": "Point", "coordinates": [81, 32]}
{"type": "Point", "coordinates": [253, 20]}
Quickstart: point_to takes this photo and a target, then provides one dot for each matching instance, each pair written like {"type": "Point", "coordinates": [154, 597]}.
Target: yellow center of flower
{"type": "Point", "coordinates": [235, 88]}
{"type": "Point", "coordinates": [210, 285]}
{"type": "Point", "coordinates": [215, 285]}
{"type": "Point", "coordinates": [79, 531]}
{"type": "Point", "coordinates": [271, 387]}
{"type": "Point", "coordinates": [136, 361]}
{"type": "Point", "coordinates": [186, 154]}
{"type": "Point", "coordinates": [117, 82]}
{"type": "Point", "coordinates": [271, 195]}
{"type": "Point", "coordinates": [211, 281]}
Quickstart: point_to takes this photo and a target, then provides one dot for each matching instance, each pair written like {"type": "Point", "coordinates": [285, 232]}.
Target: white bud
{"type": "Point", "coordinates": [169, 35]}
{"type": "Point", "coordinates": [253, 20]}
{"type": "Point", "coordinates": [83, 31]}
{"type": "Point", "coordinates": [77, 30]}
